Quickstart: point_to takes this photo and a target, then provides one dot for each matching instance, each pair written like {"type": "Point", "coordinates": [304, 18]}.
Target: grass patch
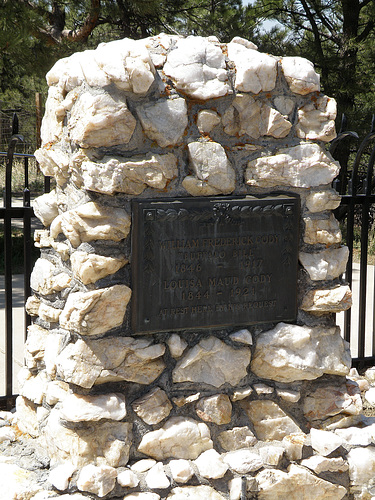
{"type": "Point", "coordinates": [17, 251]}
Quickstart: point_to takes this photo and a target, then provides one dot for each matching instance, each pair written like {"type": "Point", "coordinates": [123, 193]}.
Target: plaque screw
{"type": "Point", "coordinates": [149, 216]}
{"type": "Point", "coordinates": [288, 210]}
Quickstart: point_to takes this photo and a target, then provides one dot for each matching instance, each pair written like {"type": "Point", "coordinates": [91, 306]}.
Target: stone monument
{"type": "Point", "coordinates": [184, 342]}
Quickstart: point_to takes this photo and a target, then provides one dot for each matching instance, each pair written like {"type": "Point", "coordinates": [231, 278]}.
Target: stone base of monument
{"type": "Point", "coordinates": [184, 342]}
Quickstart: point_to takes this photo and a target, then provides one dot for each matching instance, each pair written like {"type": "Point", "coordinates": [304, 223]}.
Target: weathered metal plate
{"type": "Point", "coordinates": [213, 262]}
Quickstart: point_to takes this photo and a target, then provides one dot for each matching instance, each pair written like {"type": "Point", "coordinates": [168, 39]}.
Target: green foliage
{"type": "Point", "coordinates": [338, 37]}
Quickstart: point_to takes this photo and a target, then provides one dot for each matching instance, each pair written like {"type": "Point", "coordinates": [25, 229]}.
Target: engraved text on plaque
{"type": "Point", "coordinates": [213, 262]}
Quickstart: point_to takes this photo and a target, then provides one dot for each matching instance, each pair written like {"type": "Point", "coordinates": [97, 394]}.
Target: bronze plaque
{"type": "Point", "coordinates": [213, 262]}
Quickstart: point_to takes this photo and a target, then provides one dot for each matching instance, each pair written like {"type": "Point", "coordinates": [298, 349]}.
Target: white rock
{"type": "Point", "coordinates": [370, 375]}
{"type": "Point", "coordinates": [45, 207]}
{"type": "Point", "coordinates": [243, 117]}
{"type": "Point", "coordinates": [316, 120]}
{"type": "Point", "coordinates": [326, 265]}
{"type": "Point", "coordinates": [197, 67]}
{"type": "Point", "coordinates": [211, 167]}
{"type": "Point", "coordinates": [255, 71]}
{"type": "Point", "coordinates": [143, 465]}
{"type": "Point", "coordinates": [243, 41]}
{"type": "Point", "coordinates": [127, 358]}
{"type": "Point", "coordinates": [333, 400]}
{"type": "Point", "coordinates": [26, 417]}
{"type": "Point", "coordinates": [274, 124]}
{"type": "Point", "coordinates": [95, 312]}
{"type": "Point", "coordinates": [89, 268]}
{"type": "Point", "coordinates": [212, 362]}
{"type": "Point", "coordinates": [92, 221]}
{"type": "Point", "coordinates": [324, 442]}
{"type": "Point", "coordinates": [17, 483]}
{"type": "Point", "coordinates": [7, 434]}
{"type": "Point", "coordinates": [185, 400]}
{"type": "Point", "coordinates": [164, 121]}
{"type": "Point", "coordinates": [131, 176]}
{"type": "Point", "coordinates": [93, 74]}
{"type": "Point", "coordinates": [86, 363]}
{"type": "Point", "coordinates": [176, 345]}
{"type": "Point", "coordinates": [54, 344]}
{"type": "Point", "coordinates": [333, 300]}
{"type": "Point", "coordinates": [317, 201]}
{"type": "Point", "coordinates": [243, 461]}
{"type": "Point", "coordinates": [210, 465]}
{"type": "Point", "coordinates": [324, 231]}
{"type": "Point", "coordinates": [300, 75]}
{"type": "Point", "coordinates": [57, 390]}
{"type": "Point", "coordinates": [127, 63]}
{"type": "Point", "coordinates": [34, 388]}
{"type": "Point", "coordinates": [77, 364]}
{"type": "Point", "coordinates": [32, 305]}
{"type": "Point", "coordinates": [48, 313]}
{"type": "Point", "coordinates": [35, 346]}
{"type": "Point", "coordinates": [181, 470]}
{"type": "Point", "coordinates": [236, 438]}
{"type": "Point", "coordinates": [46, 279]}
{"type": "Point", "coordinates": [241, 394]}
{"type": "Point", "coordinates": [127, 479]}
{"type": "Point", "coordinates": [60, 476]}
{"type": "Point", "coordinates": [271, 455]}
{"type": "Point", "coordinates": [370, 396]}
{"type": "Point", "coordinates": [194, 492]}
{"type": "Point", "coordinates": [216, 409]}
{"type": "Point", "coordinates": [243, 336]}
{"type": "Point", "coordinates": [52, 127]}
{"type": "Point", "coordinates": [305, 165]}
{"type": "Point", "coordinates": [78, 408]}
{"type": "Point", "coordinates": [235, 488]}
{"type": "Point", "coordinates": [207, 119]}
{"type": "Point", "coordinates": [153, 407]}
{"type": "Point", "coordinates": [320, 464]}
{"type": "Point", "coordinates": [296, 484]}
{"type": "Point", "coordinates": [289, 395]}
{"type": "Point", "coordinates": [362, 466]}
{"type": "Point", "coordinates": [67, 73]}
{"type": "Point", "coordinates": [156, 477]}
{"type": "Point", "coordinates": [357, 436]}
{"type": "Point", "coordinates": [269, 420]}
{"type": "Point", "coordinates": [110, 447]}
{"type": "Point", "coordinates": [261, 388]}
{"type": "Point", "coordinates": [292, 352]}
{"type": "Point", "coordinates": [98, 480]}
{"type": "Point", "coordinates": [98, 119]}
{"type": "Point", "coordinates": [179, 438]}
{"type": "Point", "coordinates": [293, 445]}
{"type": "Point", "coordinates": [53, 162]}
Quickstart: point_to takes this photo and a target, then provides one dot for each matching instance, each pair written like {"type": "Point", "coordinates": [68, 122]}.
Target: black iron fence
{"type": "Point", "coordinates": [8, 215]}
{"type": "Point", "coordinates": [356, 184]}
{"type": "Point", "coordinates": [356, 214]}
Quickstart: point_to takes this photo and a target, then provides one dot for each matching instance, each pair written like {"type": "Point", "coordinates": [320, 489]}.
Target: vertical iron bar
{"type": "Point", "coordinates": [8, 287]}
{"type": "Point", "coordinates": [363, 279]}
{"type": "Point", "coordinates": [349, 266]}
{"type": "Point", "coordinates": [8, 263]}
{"type": "Point", "coordinates": [27, 243]}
